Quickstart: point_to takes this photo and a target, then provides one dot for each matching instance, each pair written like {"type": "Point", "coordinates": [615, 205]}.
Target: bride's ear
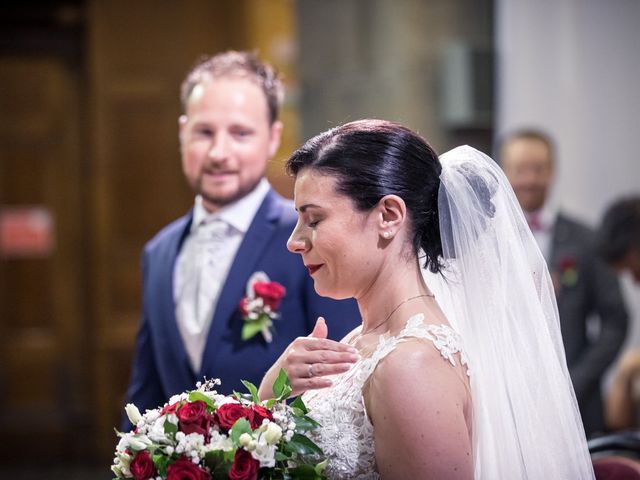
{"type": "Point", "coordinates": [392, 215]}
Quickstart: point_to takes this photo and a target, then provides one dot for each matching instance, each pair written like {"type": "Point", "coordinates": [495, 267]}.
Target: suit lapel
{"type": "Point", "coordinates": [255, 241]}
{"type": "Point", "coordinates": [166, 303]}
{"type": "Point", "coordinates": [558, 241]}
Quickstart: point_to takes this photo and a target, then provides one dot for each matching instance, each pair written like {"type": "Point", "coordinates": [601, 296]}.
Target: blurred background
{"type": "Point", "coordinates": [90, 167]}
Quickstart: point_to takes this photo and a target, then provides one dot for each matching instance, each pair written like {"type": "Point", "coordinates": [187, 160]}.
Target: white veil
{"type": "Point", "coordinates": [497, 293]}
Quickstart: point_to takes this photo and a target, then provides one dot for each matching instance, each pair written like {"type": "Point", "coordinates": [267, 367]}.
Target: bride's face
{"type": "Point", "coordinates": [336, 241]}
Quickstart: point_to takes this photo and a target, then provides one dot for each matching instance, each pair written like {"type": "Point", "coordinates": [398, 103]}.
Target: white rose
{"type": "Point", "coordinates": [273, 434]}
{"type": "Point", "coordinates": [245, 439]}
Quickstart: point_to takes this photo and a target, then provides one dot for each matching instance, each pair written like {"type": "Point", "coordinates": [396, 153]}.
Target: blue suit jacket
{"type": "Point", "coordinates": [161, 367]}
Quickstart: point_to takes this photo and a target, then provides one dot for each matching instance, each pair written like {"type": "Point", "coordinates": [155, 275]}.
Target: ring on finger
{"type": "Point", "coordinates": [310, 371]}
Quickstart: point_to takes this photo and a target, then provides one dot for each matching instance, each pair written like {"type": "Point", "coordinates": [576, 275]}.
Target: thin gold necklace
{"type": "Point", "coordinates": [399, 305]}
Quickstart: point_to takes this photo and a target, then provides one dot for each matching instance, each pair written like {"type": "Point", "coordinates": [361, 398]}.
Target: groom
{"type": "Point", "coordinates": [198, 269]}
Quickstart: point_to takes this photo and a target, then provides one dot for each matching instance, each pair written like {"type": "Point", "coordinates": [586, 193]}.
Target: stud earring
{"type": "Point", "coordinates": [386, 234]}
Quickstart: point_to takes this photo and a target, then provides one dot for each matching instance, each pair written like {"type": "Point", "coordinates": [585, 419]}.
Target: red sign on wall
{"type": "Point", "coordinates": [26, 231]}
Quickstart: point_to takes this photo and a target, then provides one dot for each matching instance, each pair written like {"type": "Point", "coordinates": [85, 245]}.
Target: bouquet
{"type": "Point", "coordinates": [203, 435]}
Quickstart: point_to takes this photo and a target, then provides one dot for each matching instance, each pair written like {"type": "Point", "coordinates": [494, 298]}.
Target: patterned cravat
{"type": "Point", "coordinates": [199, 284]}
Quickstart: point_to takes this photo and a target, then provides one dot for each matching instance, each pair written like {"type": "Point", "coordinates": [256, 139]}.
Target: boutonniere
{"type": "Point", "coordinates": [568, 271]}
{"type": "Point", "coordinates": [260, 307]}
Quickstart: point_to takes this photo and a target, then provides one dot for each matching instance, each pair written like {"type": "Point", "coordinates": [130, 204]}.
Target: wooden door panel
{"type": "Point", "coordinates": [41, 292]}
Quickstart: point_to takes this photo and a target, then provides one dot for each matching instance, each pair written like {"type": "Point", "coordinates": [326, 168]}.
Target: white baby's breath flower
{"type": "Point", "coordinates": [288, 435]}
{"type": "Point", "coordinates": [133, 413]}
{"type": "Point", "coordinates": [265, 454]}
{"type": "Point", "coordinates": [218, 441]}
{"type": "Point", "coordinates": [156, 432]}
{"type": "Point", "coordinates": [177, 398]}
{"type": "Point", "coordinates": [172, 418]}
{"type": "Point", "coordinates": [192, 445]}
{"type": "Point", "coordinates": [151, 416]}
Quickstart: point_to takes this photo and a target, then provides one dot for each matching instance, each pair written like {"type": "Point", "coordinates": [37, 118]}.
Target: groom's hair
{"type": "Point", "coordinates": [234, 64]}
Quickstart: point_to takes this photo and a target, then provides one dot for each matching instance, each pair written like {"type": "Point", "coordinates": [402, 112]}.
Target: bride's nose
{"type": "Point", "coordinates": [297, 243]}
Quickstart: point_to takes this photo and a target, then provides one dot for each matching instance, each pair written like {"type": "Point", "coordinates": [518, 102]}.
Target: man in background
{"type": "Point", "coordinates": [619, 245]}
{"type": "Point", "coordinates": [586, 288]}
{"type": "Point", "coordinates": [199, 269]}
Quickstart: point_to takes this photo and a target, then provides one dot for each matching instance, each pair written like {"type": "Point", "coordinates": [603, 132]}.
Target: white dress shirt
{"type": "Point", "coordinates": [542, 227]}
{"type": "Point", "coordinates": [203, 265]}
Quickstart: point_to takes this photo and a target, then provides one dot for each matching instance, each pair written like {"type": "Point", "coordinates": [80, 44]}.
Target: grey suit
{"type": "Point", "coordinates": [586, 286]}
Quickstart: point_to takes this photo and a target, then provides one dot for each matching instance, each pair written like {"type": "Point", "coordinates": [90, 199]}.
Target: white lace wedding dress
{"type": "Point", "coordinates": [346, 436]}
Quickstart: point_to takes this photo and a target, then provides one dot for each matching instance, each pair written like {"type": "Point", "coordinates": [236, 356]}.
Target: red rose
{"type": "Point", "coordinates": [244, 467]}
{"type": "Point", "coordinates": [566, 263]}
{"type": "Point", "coordinates": [184, 469]}
{"type": "Point", "coordinates": [193, 418]}
{"type": "Point", "coordinates": [270, 292]}
{"type": "Point", "coordinates": [259, 414]}
{"type": "Point", "coordinates": [243, 306]}
{"type": "Point", "coordinates": [167, 409]}
{"type": "Point", "coordinates": [227, 414]}
{"type": "Point", "coordinates": [142, 467]}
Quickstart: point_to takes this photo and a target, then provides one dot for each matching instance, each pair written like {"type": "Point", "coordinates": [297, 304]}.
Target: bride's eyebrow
{"type": "Point", "coordinates": [304, 207]}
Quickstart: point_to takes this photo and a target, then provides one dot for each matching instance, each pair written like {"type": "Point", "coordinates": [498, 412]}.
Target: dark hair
{"type": "Point", "coordinates": [238, 64]}
{"type": "Point", "coordinates": [619, 231]}
{"type": "Point", "coordinates": [374, 158]}
{"type": "Point", "coordinates": [528, 134]}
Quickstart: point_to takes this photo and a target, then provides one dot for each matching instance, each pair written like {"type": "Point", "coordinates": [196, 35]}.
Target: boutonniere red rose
{"type": "Point", "coordinates": [568, 271]}
{"type": "Point", "coordinates": [260, 307]}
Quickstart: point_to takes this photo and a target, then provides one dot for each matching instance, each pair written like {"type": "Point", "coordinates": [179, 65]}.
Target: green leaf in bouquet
{"type": "Point", "coordinates": [303, 445]}
{"type": "Point", "coordinates": [253, 390]}
{"type": "Point", "coordinates": [281, 387]}
{"type": "Point", "coordinates": [161, 463]}
{"type": "Point", "coordinates": [305, 472]}
{"type": "Point", "coordinates": [305, 423]}
{"type": "Point", "coordinates": [219, 463]}
{"type": "Point", "coordinates": [241, 396]}
{"type": "Point", "coordinates": [170, 428]}
{"type": "Point", "coordinates": [194, 396]}
{"type": "Point", "coordinates": [281, 457]}
{"type": "Point", "coordinates": [321, 467]}
{"type": "Point", "coordinates": [241, 426]}
{"type": "Point", "coordinates": [252, 328]}
{"type": "Point", "coordinates": [299, 404]}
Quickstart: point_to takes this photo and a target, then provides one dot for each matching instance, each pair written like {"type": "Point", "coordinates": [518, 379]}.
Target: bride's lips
{"type": "Point", "coordinates": [314, 268]}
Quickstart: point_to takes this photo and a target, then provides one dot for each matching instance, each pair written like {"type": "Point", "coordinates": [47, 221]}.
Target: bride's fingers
{"type": "Point", "coordinates": [325, 369]}
{"type": "Point", "coordinates": [311, 343]}
{"type": "Point", "coordinates": [326, 357]}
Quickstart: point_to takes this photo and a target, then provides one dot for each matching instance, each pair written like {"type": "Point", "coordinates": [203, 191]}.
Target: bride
{"type": "Point", "coordinates": [457, 370]}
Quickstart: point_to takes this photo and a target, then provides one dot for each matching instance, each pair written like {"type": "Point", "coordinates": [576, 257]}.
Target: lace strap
{"type": "Point", "coordinates": [444, 338]}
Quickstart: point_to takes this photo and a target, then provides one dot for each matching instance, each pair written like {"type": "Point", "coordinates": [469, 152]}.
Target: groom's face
{"type": "Point", "coordinates": [226, 139]}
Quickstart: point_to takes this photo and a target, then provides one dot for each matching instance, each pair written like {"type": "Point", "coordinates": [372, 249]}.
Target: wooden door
{"type": "Point", "coordinates": [43, 351]}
